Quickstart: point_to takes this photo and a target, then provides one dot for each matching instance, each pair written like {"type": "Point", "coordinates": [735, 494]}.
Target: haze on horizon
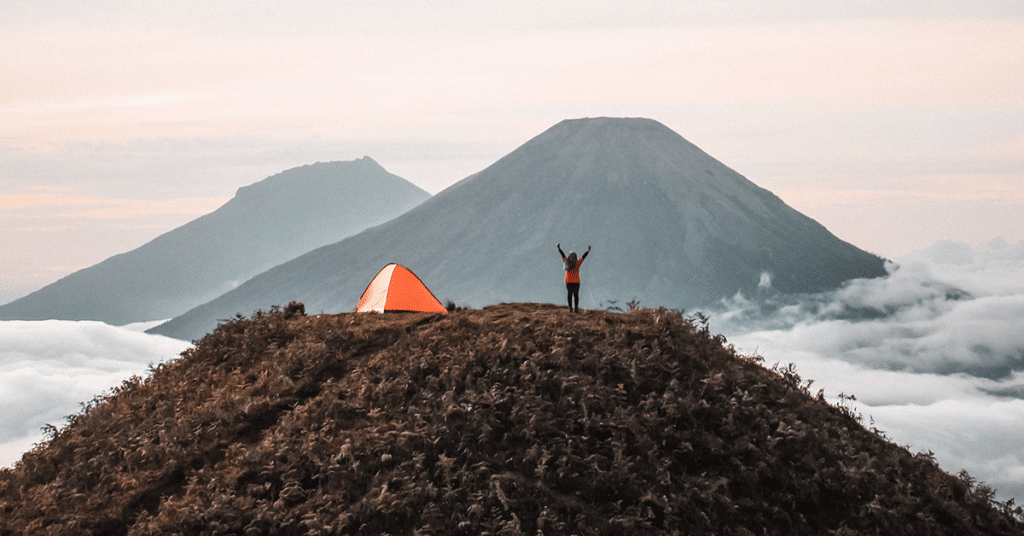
{"type": "Point", "coordinates": [893, 125]}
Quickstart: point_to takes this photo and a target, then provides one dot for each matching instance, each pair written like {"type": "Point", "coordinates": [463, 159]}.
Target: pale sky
{"type": "Point", "coordinates": [894, 124]}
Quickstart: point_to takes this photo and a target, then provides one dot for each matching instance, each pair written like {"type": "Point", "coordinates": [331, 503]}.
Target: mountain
{"type": "Point", "coordinates": [265, 224]}
{"type": "Point", "coordinates": [669, 225]}
{"type": "Point", "coordinates": [514, 419]}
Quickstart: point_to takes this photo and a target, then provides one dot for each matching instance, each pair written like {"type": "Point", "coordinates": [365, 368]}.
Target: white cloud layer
{"type": "Point", "coordinates": [934, 353]}
{"type": "Point", "coordinates": [49, 368]}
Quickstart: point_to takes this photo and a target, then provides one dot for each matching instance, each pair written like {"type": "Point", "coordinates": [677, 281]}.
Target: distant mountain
{"type": "Point", "coordinates": [265, 224]}
{"type": "Point", "coordinates": [514, 419]}
{"type": "Point", "coordinates": [669, 225]}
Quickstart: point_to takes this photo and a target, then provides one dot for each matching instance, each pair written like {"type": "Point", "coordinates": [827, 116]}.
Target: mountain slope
{"type": "Point", "coordinates": [515, 419]}
{"type": "Point", "coordinates": [669, 225]}
{"type": "Point", "coordinates": [265, 224]}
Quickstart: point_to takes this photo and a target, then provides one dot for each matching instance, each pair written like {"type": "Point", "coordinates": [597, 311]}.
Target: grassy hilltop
{"type": "Point", "coordinates": [514, 419]}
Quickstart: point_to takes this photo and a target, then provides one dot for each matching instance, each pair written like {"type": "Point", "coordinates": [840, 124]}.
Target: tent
{"type": "Point", "coordinates": [395, 288]}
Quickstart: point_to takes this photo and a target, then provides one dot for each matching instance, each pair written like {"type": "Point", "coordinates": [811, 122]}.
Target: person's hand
{"type": "Point", "coordinates": [588, 248]}
{"type": "Point", "coordinates": [558, 245]}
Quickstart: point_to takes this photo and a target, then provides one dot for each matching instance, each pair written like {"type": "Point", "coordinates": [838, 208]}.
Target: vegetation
{"type": "Point", "coordinates": [514, 419]}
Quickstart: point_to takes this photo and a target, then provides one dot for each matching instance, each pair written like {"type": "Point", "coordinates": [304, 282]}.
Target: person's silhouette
{"type": "Point", "coordinates": [572, 275]}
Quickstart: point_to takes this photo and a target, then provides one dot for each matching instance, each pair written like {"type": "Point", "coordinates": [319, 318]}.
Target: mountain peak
{"type": "Point", "coordinates": [318, 175]}
{"type": "Point", "coordinates": [609, 122]}
{"type": "Point", "coordinates": [669, 225]}
{"type": "Point", "coordinates": [619, 149]}
{"type": "Point", "coordinates": [265, 224]}
{"type": "Point", "coordinates": [604, 129]}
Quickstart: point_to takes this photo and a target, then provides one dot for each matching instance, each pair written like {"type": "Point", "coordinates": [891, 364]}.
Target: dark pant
{"type": "Point", "coordinates": [574, 291]}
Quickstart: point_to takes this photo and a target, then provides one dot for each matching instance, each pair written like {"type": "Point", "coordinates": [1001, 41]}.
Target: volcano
{"type": "Point", "coordinates": [669, 226]}
{"type": "Point", "coordinates": [265, 224]}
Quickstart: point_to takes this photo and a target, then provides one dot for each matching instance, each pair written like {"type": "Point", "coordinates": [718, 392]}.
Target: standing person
{"type": "Point", "coordinates": [572, 275]}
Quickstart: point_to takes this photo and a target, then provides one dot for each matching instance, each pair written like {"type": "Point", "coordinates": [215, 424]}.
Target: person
{"type": "Point", "coordinates": [572, 275]}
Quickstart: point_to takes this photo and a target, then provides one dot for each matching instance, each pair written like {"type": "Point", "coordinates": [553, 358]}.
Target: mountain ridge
{"type": "Point", "coordinates": [264, 224]}
{"type": "Point", "coordinates": [670, 225]}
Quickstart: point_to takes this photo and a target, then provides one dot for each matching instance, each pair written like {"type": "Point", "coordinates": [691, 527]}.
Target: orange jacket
{"type": "Point", "coordinates": [573, 276]}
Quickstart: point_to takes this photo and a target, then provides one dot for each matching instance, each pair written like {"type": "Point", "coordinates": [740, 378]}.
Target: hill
{"type": "Point", "coordinates": [669, 225]}
{"type": "Point", "coordinates": [265, 224]}
{"type": "Point", "coordinates": [514, 419]}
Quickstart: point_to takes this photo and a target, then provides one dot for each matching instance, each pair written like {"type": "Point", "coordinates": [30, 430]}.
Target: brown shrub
{"type": "Point", "coordinates": [514, 419]}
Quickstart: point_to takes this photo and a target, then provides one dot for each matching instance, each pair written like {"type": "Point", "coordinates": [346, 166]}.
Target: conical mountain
{"type": "Point", "coordinates": [669, 225]}
{"type": "Point", "coordinates": [265, 224]}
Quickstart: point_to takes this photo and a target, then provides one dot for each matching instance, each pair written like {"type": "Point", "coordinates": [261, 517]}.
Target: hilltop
{"type": "Point", "coordinates": [669, 225]}
{"type": "Point", "coordinates": [265, 224]}
{"type": "Point", "coordinates": [513, 419]}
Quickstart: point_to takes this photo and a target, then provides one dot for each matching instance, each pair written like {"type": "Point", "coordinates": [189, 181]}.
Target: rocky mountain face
{"type": "Point", "coordinates": [265, 224]}
{"type": "Point", "coordinates": [669, 225]}
{"type": "Point", "coordinates": [514, 419]}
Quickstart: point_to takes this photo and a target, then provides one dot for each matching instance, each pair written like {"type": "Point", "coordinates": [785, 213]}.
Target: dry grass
{"type": "Point", "coordinates": [514, 419]}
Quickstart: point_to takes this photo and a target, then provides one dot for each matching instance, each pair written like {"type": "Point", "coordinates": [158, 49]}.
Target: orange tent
{"type": "Point", "coordinates": [396, 288]}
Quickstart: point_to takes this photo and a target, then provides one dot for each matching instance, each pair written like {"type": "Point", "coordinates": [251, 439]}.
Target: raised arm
{"type": "Point", "coordinates": [559, 246]}
{"type": "Point", "coordinates": [585, 253]}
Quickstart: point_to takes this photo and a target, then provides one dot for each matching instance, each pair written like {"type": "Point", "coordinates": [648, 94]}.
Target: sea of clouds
{"type": "Point", "coordinates": [934, 355]}
{"type": "Point", "coordinates": [49, 368]}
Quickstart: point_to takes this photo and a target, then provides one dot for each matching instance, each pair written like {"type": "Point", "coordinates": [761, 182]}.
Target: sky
{"type": "Point", "coordinates": [894, 124]}
{"type": "Point", "coordinates": [897, 125]}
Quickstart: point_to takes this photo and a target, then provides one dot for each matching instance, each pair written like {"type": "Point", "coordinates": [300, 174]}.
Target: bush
{"type": "Point", "coordinates": [511, 419]}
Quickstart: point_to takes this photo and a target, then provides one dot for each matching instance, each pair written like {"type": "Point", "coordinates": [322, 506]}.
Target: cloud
{"type": "Point", "coordinates": [1002, 192]}
{"type": "Point", "coordinates": [934, 353]}
{"type": "Point", "coordinates": [135, 80]}
{"type": "Point", "coordinates": [49, 368]}
{"type": "Point", "coordinates": [64, 205]}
